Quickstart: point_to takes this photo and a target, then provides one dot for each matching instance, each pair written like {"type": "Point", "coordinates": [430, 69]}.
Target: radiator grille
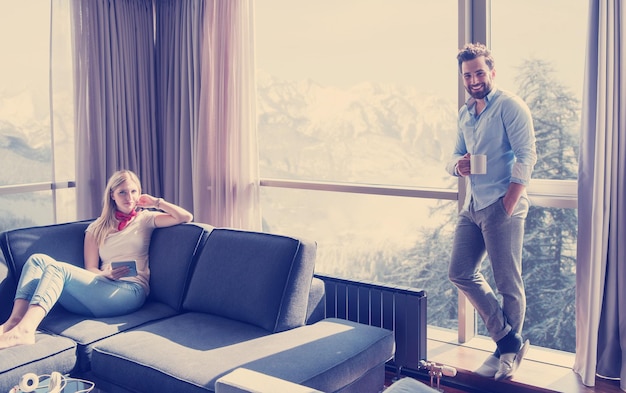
{"type": "Point", "coordinates": [400, 309]}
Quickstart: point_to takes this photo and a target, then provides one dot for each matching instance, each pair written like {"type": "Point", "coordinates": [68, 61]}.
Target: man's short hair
{"type": "Point", "coordinates": [474, 50]}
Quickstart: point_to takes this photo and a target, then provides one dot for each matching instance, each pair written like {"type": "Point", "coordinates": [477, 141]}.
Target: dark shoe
{"type": "Point", "coordinates": [509, 362]}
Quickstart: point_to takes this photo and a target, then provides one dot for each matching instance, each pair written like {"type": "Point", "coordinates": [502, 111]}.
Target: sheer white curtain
{"type": "Point", "coordinates": [114, 96]}
{"type": "Point", "coordinates": [226, 189]}
{"type": "Point", "coordinates": [601, 259]}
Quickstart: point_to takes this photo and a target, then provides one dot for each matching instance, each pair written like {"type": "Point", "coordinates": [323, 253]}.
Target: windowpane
{"type": "Point", "coordinates": [28, 149]}
{"type": "Point", "coordinates": [357, 91]}
{"type": "Point", "coordinates": [361, 92]}
{"type": "Point", "coordinates": [25, 142]}
{"type": "Point", "coordinates": [543, 62]}
{"type": "Point", "coordinates": [25, 210]}
{"type": "Point", "coordinates": [388, 240]}
{"type": "Point", "coordinates": [65, 203]}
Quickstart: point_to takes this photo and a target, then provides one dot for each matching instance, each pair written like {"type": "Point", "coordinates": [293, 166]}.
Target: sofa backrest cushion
{"type": "Point", "coordinates": [63, 242]}
{"type": "Point", "coordinates": [257, 278]}
{"type": "Point", "coordinates": [173, 254]}
{"type": "Point", "coordinates": [173, 251]}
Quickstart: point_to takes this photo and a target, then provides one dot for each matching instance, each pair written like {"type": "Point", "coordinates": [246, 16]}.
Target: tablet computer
{"type": "Point", "coordinates": [132, 267]}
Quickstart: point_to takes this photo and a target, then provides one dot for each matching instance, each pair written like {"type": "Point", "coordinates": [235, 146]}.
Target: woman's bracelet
{"type": "Point", "coordinates": [158, 203]}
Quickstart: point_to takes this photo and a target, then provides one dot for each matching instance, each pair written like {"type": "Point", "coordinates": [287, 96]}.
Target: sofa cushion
{"type": "Point", "coordinates": [257, 278]}
{"type": "Point", "coordinates": [185, 353]}
{"type": "Point", "coordinates": [332, 355]}
{"type": "Point", "coordinates": [86, 331]}
{"type": "Point", "coordinates": [49, 353]}
{"type": "Point", "coordinates": [173, 253]}
{"type": "Point", "coordinates": [189, 352]}
{"type": "Point", "coordinates": [63, 242]}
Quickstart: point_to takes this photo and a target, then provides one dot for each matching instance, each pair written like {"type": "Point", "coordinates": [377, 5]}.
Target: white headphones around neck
{"type": "Point", "coordinates": [55, 383]}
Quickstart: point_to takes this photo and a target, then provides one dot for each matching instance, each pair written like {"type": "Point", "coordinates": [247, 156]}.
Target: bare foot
{"type": "Point", "coordinates": [5, 327]}
{"type": "Point", "coordinates": [16, 336]}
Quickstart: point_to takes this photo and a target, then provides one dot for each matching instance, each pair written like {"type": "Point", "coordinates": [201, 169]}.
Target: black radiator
{"type": "Point", "coordinates": [400, 309]}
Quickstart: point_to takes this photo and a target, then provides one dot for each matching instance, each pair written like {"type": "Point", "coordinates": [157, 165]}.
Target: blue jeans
{"type": "Point", "coordinates": [492, 231]}
{"type": "Point", "coordinates": [44, 281]}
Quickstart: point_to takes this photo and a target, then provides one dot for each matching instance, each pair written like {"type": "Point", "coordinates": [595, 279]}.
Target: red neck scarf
{"type": "Point", "coordinates": [124, 218]}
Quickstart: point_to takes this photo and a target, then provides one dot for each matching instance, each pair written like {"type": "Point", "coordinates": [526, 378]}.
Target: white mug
{"type": "Point", "coordinates": [478, 164]}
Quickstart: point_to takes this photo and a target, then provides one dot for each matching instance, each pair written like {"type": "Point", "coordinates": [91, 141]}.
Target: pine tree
{"type": "Point", "coordinates": [549, 244]}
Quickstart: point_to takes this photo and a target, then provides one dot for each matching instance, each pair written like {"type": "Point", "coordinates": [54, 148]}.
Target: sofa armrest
{"type": "Point", "coordinates": [316, 309]}
{"type": "Point", "coordinates": [7, 289]}
{"type": "Point", "coordinates": [409, 385]}
{"type": "Point", "coordinates": [63, 242]}
{"type": "Point", "coordinates": [243, 380]}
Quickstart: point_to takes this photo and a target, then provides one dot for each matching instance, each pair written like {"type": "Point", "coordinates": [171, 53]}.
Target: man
{"type": "Point", "coordinates": [497, 124]}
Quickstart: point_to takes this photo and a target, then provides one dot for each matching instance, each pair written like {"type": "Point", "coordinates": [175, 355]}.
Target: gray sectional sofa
{"type": "Point", "coordinates": [221, 300]}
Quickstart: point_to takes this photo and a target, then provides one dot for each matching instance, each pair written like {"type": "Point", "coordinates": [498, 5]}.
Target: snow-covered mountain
{"type": "Point", "coordinates": [25, 139]}
{"type": "Point", "coordinates": [25, 154]}
{"type": "Point", "coordinates": [370, 133]}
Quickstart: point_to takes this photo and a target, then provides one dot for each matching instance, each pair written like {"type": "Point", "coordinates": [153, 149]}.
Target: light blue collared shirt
{"type": "Point", "coordinates": [504, 132]}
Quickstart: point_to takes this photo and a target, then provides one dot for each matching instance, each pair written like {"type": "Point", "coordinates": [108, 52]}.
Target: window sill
{"type": "Point", "coordinates": [543, 370]}
{"type": "Point", "coordinates": [484, 344]}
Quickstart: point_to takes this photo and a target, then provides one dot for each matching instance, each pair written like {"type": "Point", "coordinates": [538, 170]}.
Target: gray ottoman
{"type": "Point", "coordinates": [49, 353]}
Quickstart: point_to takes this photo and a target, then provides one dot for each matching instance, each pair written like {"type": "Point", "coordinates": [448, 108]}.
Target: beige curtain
{"type": "Point", "coordinates": [171, 97]}
{"type": "Point", "coordinates": [178, 41]}
{"type": "Point", "coordinates": [601, 259]}
{"type": "Point", "coordinates": [114, 96]}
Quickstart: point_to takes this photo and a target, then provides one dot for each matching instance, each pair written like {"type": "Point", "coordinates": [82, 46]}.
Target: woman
{"type": "Point", "coordinates": [121, 233]}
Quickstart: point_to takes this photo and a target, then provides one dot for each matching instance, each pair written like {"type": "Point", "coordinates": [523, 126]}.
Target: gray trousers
{"type": "Point", "coordinates": [492, 231]}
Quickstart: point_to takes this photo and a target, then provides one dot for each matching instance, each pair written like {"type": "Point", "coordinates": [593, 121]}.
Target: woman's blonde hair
{"type": "Point", "coordinates": [107, 223]}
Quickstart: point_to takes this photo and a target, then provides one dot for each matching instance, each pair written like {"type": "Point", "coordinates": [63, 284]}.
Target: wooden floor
{"type": "Point", "coordinates": [542, 370]}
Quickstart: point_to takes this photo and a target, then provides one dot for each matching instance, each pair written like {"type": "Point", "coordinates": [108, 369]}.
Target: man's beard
{"type": "Point", "coordinates": [479, 94]}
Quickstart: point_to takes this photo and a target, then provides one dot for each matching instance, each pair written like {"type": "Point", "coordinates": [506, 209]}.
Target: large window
{"type": "Point", "coordinates": [364, 94]}
{"type": "Point", "coordinates": [357, 91]}
{"type": "Point", "coordinates": [543, 62]}
{"type": "Point", "coordinates": [36, 148]}
{"type": "Point", "coordinates": [25, 107]}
